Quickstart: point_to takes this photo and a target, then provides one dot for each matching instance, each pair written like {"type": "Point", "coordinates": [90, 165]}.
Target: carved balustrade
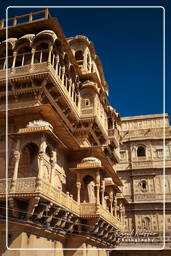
{"type": "Point", "coordinates": [26, 18]}
{"type": "Point", "coordinates": [4, 185]}
{"type": "Point", "coordinates": [29, 186]}
{"type": "Point", "coordinates": [90, 209]}
{"type": "Point", "coordinates": [32, 69]}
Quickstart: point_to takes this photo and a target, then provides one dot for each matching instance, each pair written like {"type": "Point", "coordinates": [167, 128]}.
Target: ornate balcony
{"type": "Point", "coordinates": [42, 69]}
{"type": "Point", "coordinates": [27, 187]}
{"type": "Point", "coordinates": [93, 210]}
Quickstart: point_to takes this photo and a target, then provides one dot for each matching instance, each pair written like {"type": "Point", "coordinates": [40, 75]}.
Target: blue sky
{"type": "Point", "coordinates": [129, 43]}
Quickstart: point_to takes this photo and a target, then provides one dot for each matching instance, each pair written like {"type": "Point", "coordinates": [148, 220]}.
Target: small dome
{"type": "Point", "coordinates": [91, 160]}
{"type": "Point", "coordinates": [37, 123]}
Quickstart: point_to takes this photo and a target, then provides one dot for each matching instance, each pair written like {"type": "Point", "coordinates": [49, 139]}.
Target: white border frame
{"type": "Point", "coordinates": [82, 249]}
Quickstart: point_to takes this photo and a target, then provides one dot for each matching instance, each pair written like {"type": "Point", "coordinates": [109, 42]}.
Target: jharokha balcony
{"type": "Point", "coordinates": [33, 180]}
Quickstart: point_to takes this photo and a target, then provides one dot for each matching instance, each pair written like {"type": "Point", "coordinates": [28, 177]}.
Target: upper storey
{"type": "Point", "coordinates": [145, 127]}
{"type": "Point", "coordinates": [45, 69]}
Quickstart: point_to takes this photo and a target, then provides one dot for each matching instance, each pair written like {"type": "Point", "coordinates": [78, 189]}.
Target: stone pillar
{"type": "Point", "coordinates": [32, 57]}
{"type": "Point", "coordinates": [50, 54]}
{"type": "Point", "coordinates": [115, 206]}
{"type": "Point", "coordinates": [102, 193]}
{"type": "Point", "coordinates": [40, 161]}
{"type": "Point", "coordinates": [57, 63]}
{"type": "Point", "coordinates": [14, 60]}
{"type": "Point", "coordinates": [15, 173]}
{"type": "Point", "coordinates": [40, 171]}
{"type": "Point", "coordinates": [97, 190]}
{"type": "Point", "coordinates": [78, 188]}
{"type": "Point", "coordinates": [63, 73]}
{"type": "Point", "coordinates": [111, 200]}
{"type": "Point", "coordinates": [52, 162]}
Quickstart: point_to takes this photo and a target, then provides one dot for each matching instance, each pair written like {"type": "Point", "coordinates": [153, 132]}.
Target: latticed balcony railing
{"type": "Point", "coordinates": [28, 187]}
{"type": "Point", "coordinates": [61, 80]}
{"type": "Point", "coordinates": [92, 209]}
{"type": "Point", "coordinates": [27, 18]}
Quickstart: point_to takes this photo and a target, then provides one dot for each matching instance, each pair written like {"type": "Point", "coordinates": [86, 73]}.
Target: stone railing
{"type": "Point", "coordinates": [3, 184]}
{"type": "Point", "coordinates": [26, 18]}
{"type": "Point", "coordinates": [65, 200]}
{"type": "Point", "coordinates": [88, 209]}
{"type": "Point", "coordinates": [42, 68]}
{"type": "Point", "coordinates": [29, 185]}
{"type": "Point", "coordinates": [91, 209]}
{"type": "Point", "coordinates": [62, 199]}
{"type": "Point", "coordinates": [110, 218]}
{"type": "Point", "coordinates": [25, 185]}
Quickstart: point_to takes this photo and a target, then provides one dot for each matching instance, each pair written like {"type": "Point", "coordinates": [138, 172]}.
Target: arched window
{"type": "Point", "coordinates": [79, 57]}
{"type": "Point", "coordinates": [140, 151]}
{"type": "Point", "coordinates": [88, 190]}
{"type": "Point", "coordinates": [23, 56]}
{"type": "Point", "coordinates": [143, 185]}
{"type": "Point", "coordinates": [3, 60]}
{"type": "Point", "coordinates": [28, 165]}
{"type": "Point", "coordinates": [42, 52]}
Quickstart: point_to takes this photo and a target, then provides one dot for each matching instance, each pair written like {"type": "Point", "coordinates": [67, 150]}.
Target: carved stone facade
{"type": "Point", "coordinates": [146, 183]}
{"type": "Point", "coordinates": [64, 186]}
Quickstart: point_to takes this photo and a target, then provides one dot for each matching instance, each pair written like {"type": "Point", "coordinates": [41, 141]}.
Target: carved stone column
{"type": "Point", "coordinates": [40, 161]}
{"type": "Point", "coordinates": [57, 63]}
{"type": "Point", "coordinates": [15, 173]}
{"type": "Point", "coordinates": [102, 193]}
{"type": "Point", "coordinates": [52, 162]}
{"type": "Point", "coordinates": [111, 200]}
{"type": "Point", "coordinates": [63, 73]}
{"type": "Point", "coordinates": [115, 206]}
{"type": "Point", "coordinates": [14, 61]}
{"type": "Point", "coordinates": [32, 56]}
{"type": "Point", "coordinates": [40, 171]}
{"type": "Point", "coordinates": [50, 54]}
{"type": "Point", "coordinates": [97, 190]}
{"type": "Point", "coordinates": [78, 188]}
